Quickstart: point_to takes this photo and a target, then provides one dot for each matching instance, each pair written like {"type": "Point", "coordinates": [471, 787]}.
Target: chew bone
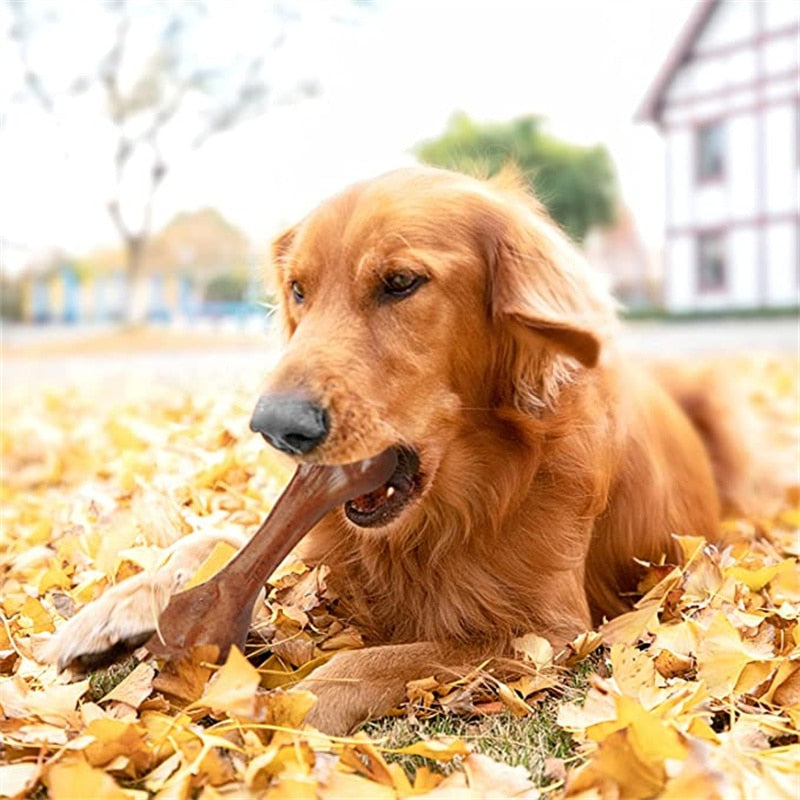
{"type": "Point", "coordinates": [218, 611]}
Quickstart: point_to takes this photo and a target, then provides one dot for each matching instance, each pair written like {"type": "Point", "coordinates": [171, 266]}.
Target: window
{"type": "Point", "coordinates": [710, 151]}
{"type": "Point", "coordinates": [711, 267]}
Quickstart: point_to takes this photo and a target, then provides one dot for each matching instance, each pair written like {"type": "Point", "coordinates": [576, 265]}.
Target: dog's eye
{"type": "Point", "coordinates": [402, 283]}
{"type": "Point", "coordinates": [297, 292]}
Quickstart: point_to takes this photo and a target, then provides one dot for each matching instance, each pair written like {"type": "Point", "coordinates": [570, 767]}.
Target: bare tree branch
{"type": "Point", "coordinates": [159, 101]}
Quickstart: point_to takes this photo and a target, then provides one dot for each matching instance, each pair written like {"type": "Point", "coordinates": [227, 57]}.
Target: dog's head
{"type": "Point", "coordinates": [417, 307]}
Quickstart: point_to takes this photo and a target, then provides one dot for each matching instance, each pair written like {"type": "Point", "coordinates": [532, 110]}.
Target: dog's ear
{"type": "Point", "coordinates": [275, 274]}
{"type": "Point", "coordinates": [281, 244]}
{"type": "Point", "coordinates": [541, 286]}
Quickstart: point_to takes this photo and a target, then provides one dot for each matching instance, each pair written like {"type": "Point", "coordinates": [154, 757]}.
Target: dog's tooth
{"type": "Point", "coordinates": [389, 492]}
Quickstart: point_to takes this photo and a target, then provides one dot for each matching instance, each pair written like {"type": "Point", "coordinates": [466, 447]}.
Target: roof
{"type": "Point", "coordinates": [652, 105]}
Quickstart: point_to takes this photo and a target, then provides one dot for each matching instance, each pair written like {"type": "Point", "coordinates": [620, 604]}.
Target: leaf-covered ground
{"type": "Point", "coordinates": [694, 694]}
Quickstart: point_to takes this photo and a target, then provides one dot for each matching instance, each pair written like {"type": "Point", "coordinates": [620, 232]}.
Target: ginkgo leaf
{"type": "Point", "coordinates": [112, 738]}
{"type": "Point", "coordinates": [617, 765]}
{"type": "Point", "coordinates": [135, 687]}
{"type": "Point", "coordinates": [16, 780]}
{"type": "Point", "coordinates": [233, 688]}
{"type": "Point", "coordinates": [535, 649]}
{"type": "Point", "coordinates": [513, 701]}
{"type": "Point", "coordinates": [444, 749]}
{"type": "Point", "coordinates": [722, 654]}
{"type": "Point", "coordinates": [632, 669]}
{"type": "Point", "coordinates": [219, 556]}
{"type": "Point", "coordinates": [340, 785]}
{"type": "Point", "coordinates": [69, 780]}
{"type": "Point", "coordinates": [186, 677]}
{"type": "Point", "coordinates": [757, 578]}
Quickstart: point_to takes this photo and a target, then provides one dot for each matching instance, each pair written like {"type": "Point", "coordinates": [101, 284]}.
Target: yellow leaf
{"type": "Point", "coordinates": [186, 677]}
{"type": "Point", "coordinates": [700, 728]}
{"type": "Point", "coordinates": [691, 546]}
{"type": "Point", "coordinates": [37, 618]}
{"type": "Point", "coordinates": [489, 778]}
{"type": "Point", "coordinates": [754, 676]}
{"type": "Point", "coordinates": [722, 655]}
{"type": "Point", "coordinates": [422, 691]}
{"type": "Point", "coordinates": [123, 437]}
{"type": "Point", "coordinates": [425, 780]}
{"type": "Point", "coordinates": [54, 578]}
{"type": "Point", "coordinates": [178, 789]}
{"type": "Point", "coordinates": [222, 553]}
{"type": "Point", "coordinates": [18, 780]}
{"type": "Point", "coordinates": [135, 688]}
{"type": "Point", "coordinates": [653, 739]}
{"type": "Point", "coordinates": [534, 648]}
{"type": "Point", "coordinates": [76, 780]}
{"type": "Point", "coordinates": [286, 709]}
{"type": "Point", "coordinates": [113, 738]}
{"type": "Point", "coordinates": [599, 706]}
{"type": "Point", "coordinates": [582, 646]}
{"type": "Point", "coordinates": [632, 669]}
{"type": "Point", "coordinates": [233, 688]}
{"type": "Point", "coordinates": [444, 749]}
{"type": "Point", "coordinates": [672, 665]}
{"type": "Point", "coordinates": [785, 688]}
{"type": "Point", "coordinates": [339, 785]}
{"type": "Point", "coordinates": [365, 759]}
{"type": "Point", "coordinates": [56, 703]}
{"type": "Point", "coordinates": [627, 628]}
{"type": "Point", "coordinates": [514, 703]}
{"type": "Point", "coordinates": [293, 787]}
{"type": "Point", "coordinates": [757, 579]}
{"type": "Point", "coordinates": [530, 684]}
{"type": "Point", "coordinates": [790, 518]}
{"type": "Point", "coordinates": [617, 764]}
{"type": "Point", "coordinates": [284, 754]}
{"type": "Point", "coordinates": [400, 780]}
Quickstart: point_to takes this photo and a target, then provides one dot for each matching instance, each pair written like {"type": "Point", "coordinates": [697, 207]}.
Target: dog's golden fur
{"type": "Point", "coordinates": [549, 462]}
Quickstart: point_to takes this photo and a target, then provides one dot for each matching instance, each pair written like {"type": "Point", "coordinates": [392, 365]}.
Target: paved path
{"type": "Point", "coordinates": [138, 373]}
{"type": "Point", "coordinates": [708, 337]}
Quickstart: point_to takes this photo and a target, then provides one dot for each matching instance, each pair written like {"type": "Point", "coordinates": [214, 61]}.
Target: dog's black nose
{"type": "Point", "coordinates": [290, 422]}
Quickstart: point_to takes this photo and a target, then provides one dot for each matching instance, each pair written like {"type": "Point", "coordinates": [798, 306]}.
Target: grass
{"type": "Point", "coordinates": [529, 741]}
{"type": "Point", "coordinates": [661, 315]}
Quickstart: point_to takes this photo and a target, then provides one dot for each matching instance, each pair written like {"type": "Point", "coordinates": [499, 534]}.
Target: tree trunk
{"type": "Point", "coordinates": [136, 299]}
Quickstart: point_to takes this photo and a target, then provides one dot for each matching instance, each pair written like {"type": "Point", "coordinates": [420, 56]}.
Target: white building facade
{"type": "Point", "coordinates": [728, 104]}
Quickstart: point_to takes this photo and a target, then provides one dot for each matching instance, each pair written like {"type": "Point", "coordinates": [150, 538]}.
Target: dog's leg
{"type": "Point", "coordinates": [126, 615]}
{"type": "Point", "coordinates": [357, 685]}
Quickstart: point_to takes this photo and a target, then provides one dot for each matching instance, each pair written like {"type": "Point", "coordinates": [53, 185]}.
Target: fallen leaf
{"type": "Point", "coordinates": [233, 688]}
{"type": "Point", "coordinates": [135, 688]}
{"type": "Point", "coordinates": [76, 780]}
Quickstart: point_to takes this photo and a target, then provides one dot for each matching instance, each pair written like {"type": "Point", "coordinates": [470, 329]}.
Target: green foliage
{"type": "Point", "coordinates": [102, 681]}
{"type": "Point", "coordinates": [577, 185]}
{"type": "Point", "coordinates": [229, 288]}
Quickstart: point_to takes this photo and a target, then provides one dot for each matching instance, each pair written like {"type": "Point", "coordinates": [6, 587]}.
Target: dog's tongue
{"type": "Point", "coordinates": [218, 611]}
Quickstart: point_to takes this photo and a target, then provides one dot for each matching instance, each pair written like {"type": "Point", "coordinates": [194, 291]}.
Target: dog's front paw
{"type": "Point", "coordinates": [118, 622]}
{"type": "Point", "coordinates": [349, 692]}
{"type": "Point", "coordinates": [127, 614]}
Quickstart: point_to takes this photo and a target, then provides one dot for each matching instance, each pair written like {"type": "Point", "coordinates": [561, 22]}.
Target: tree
{"type": "Point", "coordinates": [577, 185]}
{"type": "Point", "coordinates": [158, 79]}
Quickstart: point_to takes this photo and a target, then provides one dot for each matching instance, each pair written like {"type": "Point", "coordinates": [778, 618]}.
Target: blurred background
{"type": "Point", "coordinates": [149, 151]}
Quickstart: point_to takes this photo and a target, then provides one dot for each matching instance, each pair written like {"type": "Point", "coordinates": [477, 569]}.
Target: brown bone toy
{"type": "Point", "coordinates": [218, 612]}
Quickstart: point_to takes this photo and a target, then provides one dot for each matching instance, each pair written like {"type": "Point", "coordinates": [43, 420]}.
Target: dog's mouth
{"type": "Point", "coordinates": [385, 503]}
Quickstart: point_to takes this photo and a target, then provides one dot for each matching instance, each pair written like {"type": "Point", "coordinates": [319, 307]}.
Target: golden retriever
{"type": "Point", "coordinates": [450, 319]}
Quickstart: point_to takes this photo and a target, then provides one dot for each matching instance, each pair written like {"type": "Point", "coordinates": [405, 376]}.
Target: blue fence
{"type": "Point", "coordinates": [66, 298]}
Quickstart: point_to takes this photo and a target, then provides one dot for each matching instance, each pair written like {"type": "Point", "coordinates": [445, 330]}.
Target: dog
{"type": "Point", "coordinates": [450, 319]}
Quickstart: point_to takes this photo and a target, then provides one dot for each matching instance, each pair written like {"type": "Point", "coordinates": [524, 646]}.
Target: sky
{"type": "Point", "coordinates": [389, 79]}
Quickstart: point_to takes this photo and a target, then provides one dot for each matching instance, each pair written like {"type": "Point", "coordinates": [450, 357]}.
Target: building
{"type": "Point", "coordinates": [727, 101]}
